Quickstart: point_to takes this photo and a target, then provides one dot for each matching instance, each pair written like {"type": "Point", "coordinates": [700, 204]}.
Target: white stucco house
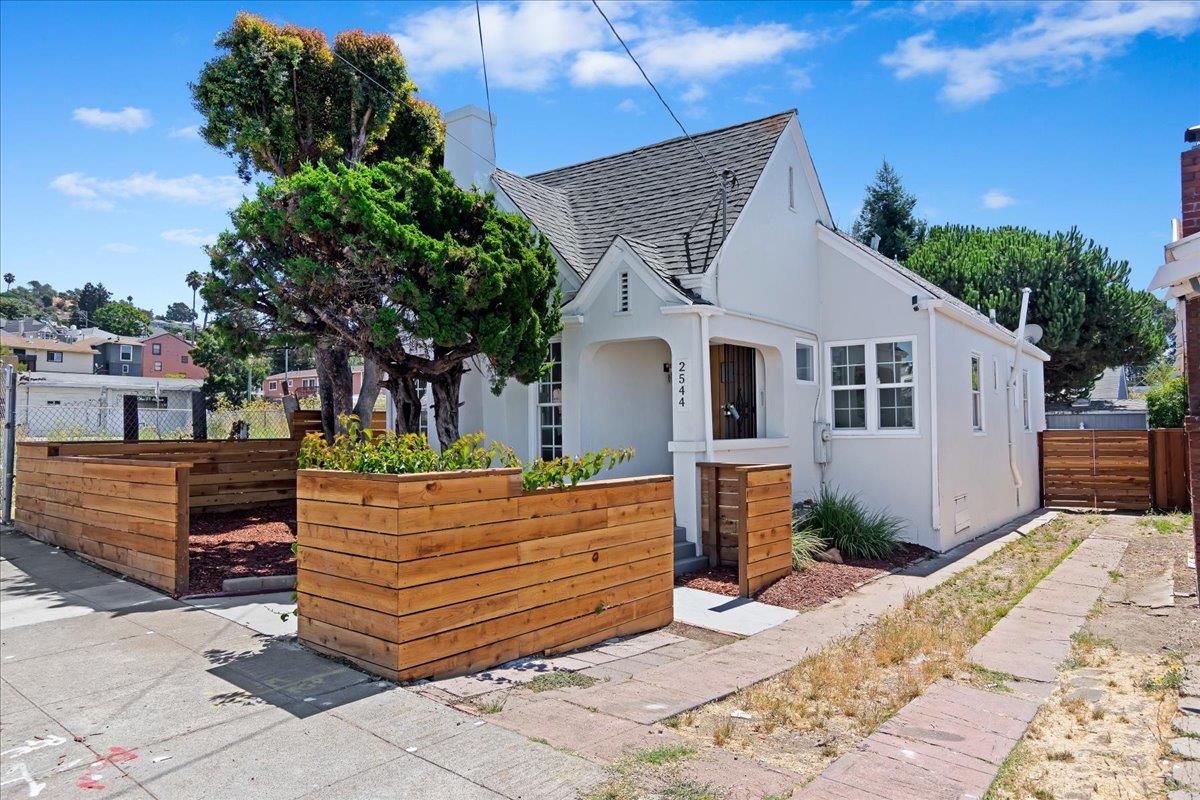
{"type": "Point", "coordinates": [747, 328]}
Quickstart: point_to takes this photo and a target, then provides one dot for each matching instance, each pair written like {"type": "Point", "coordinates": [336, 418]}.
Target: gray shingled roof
{"type": "Point", "coordinates": [650, 196]}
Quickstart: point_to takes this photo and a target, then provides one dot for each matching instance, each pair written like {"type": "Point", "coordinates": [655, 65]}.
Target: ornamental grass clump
{"type": "Point", "coordinates": [841, 520]}
{"type": "Point", "coordinates": [387, 453]}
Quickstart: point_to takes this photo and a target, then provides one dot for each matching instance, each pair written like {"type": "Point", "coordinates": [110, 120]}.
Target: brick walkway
{"type": "Point", "coordinates": [950, 742]}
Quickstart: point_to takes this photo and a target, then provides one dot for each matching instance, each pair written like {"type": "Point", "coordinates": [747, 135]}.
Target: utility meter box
{"type": "Point", "coordinates": [822, 442]}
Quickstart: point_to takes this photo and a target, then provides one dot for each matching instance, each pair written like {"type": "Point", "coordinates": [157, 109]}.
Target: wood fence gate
{"type": "Point", "coordinates": [746, 521]}
{"type": "Point", "coordinates": [1129, 470]}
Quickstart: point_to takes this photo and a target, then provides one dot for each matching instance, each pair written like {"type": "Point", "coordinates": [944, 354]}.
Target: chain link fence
{"type": "Point", "coordinates": [95, 421]}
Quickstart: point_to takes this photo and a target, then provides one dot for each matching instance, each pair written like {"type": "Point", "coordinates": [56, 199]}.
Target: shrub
{"type": "Point", "coordinates": [1167, 403]}
{"type": "Point", "coordinates": [806, 543]}
{"type": "Point", "coordinates": [842, 521]}
{"type": "Point", "coordinates": [358, 450]}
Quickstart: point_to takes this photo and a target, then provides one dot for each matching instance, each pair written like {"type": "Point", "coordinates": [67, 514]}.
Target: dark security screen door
{"type": "Point", "coordinates": [735, 410]}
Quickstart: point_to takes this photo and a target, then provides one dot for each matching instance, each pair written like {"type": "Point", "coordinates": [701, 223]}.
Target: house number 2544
{"type": "Point", "coordinates": [680, 384]}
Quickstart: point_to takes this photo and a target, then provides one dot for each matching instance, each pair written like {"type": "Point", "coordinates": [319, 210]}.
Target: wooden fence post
{"type": "Point", "coordinates": [130, 413]}
{"type": "Point", "coordinates": [199, 417]}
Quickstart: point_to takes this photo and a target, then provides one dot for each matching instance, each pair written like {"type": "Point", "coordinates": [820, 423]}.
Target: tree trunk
{"type": "Point", "coordinates": [408, 403]}
{"type": "Point", "coordinates": [368, 392]}
{"type": "Point", "coordinates": [445, 404]}
{"type": "Point", "coordinates": [335, 386]}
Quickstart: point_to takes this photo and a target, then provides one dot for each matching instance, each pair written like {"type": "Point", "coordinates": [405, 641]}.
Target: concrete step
{"type": "Point", "coordinates": [690, 564]}
{"type": "Point", "coordinates": [680, 533]}
{"type": "Point", "coordinates": [684, 550]}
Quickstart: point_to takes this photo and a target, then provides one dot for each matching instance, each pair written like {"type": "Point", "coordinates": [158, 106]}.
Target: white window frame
{"type": "Point", "coordinates": [124, 369]}
{"type": "Point", "coordinates": [872, 388]}
{"type": "Point", "coordinates": [536, 406]}
{"type": "Point", "coordinates": [813, 368]}
{"type": "Point", "coordinates": [623, 302]}
{"type": "Point", "coordinates": [126, 350]}
{"type": "Point", "coordinates": [156, 349]}
{"type": "Point", "coordinates": [158, 366]}
{"type": "Point", "coordinates": [1026, 411]}
{"type": "Point", "coordinates": [51, 357]}
{"type": "Point", "coordinates": [272, 385]}
{"type": "Point", "coordinates": [977, 395]}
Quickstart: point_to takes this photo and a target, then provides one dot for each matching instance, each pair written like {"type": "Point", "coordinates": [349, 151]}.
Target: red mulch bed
{"type": "Point", "coordinates": [811, 587]}
{"type": "Point", "coordinates": [239, 544]}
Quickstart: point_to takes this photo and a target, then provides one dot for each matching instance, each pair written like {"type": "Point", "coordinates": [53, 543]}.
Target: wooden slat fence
{"type": "Point", "coordinates": [1131, 470]}
{"type": "Point", "coordinates": [128, 515]}
{"type": "Point", "coordinates": [225, 474]}
{"type": "Point", "coordinates": [746, 521]}
{"type": "Point", "coordinates": [437, 574]}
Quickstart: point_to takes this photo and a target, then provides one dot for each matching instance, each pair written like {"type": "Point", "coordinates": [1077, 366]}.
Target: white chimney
{"type": "Point", "coordinates": [470, 155]}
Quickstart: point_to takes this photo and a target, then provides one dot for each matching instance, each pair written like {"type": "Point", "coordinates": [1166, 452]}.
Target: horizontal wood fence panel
{"type": "Point", "coordinates": [746, 520]}
{"type": "Point", "coordinates": [1096, 468]}
{"type": "Point", "coordinates": [415, 576]}
{"type": "Point", "coordinates": [128, 515]}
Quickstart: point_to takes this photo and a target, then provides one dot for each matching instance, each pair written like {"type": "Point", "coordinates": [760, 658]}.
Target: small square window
{"type": "Point", "coordinates": [804, 362]}
{"type": "Point", "coordinates": [124, 369]}
{"type": "Point", "coordinates": [183, 359]}
{"type": "Point", "coordinates": [54, 357]}
{"type": "Point", "coordinates": [272, 385]}
{"type": "Point", "coordinates": [158, 366]}
{"type": "Point", "coordinates": [156, 349]}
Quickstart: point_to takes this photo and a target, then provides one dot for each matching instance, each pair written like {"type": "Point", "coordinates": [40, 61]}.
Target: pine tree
{"type": "Point", "coordinates": [887, 212]}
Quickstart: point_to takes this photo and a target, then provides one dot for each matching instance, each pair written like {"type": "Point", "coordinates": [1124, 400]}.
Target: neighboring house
{"type": "Point", "coordinates": [1180, 272]}
{"type": "Point", "coordinates": [67, 405]}
{"type": "Point", "coordinates": [117, 355]}
{"type": "Point", "coordinates": [1109, 406]}
{"type": "Point", "coordinates": [302, 383]}
{"type": "Point", "coordinates": [167, 354]}
{"type": "Point", "coordinates": [781, 339]}
{"type": "Point", "coordinates": [28, 326]}
{"type": "Point", "coordinates": [48, 355]}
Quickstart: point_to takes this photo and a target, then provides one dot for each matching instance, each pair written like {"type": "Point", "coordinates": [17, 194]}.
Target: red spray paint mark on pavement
{"type": "Point", "coordinates": [94, 774]}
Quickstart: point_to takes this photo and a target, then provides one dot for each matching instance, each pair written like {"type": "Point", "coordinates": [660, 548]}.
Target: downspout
{"type": "Point", "coordinates": [1012, 392]}
{"type": "Point", "coordinates": [935, 517]}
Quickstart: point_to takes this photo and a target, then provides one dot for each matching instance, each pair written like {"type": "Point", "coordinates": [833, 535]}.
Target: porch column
{"type": "Point", "coordinates": [689, 398]}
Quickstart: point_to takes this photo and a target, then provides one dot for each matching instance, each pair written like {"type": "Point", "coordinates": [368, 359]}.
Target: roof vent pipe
{"type": "Point", "coordinates": [875, 240]}
{"type": "Point", "coordinates": [992, 315]}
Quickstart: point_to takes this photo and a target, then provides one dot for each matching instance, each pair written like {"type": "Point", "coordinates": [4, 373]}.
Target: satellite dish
{"type": "Point", "coordinates": [1033, 333]}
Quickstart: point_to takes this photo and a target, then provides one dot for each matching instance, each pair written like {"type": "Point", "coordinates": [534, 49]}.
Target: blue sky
{"type": "Point", "coordinates": [1045, 115]}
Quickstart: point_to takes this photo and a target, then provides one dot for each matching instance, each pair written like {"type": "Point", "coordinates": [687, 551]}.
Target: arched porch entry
{"type": "Point", "coordinates": [625, 394]}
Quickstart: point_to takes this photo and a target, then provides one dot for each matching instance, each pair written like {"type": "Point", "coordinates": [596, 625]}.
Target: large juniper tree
{"type": "Point", "coordinates": [279, 98]}
{"type": "Point", "coordinates": [1081, 297]}
{"type": "Point", "coordinates": [887, 212]}
{"type": "Point", "coordinates": [397, 263]}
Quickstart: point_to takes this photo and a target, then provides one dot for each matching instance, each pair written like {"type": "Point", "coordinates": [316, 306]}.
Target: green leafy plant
{"type": "Point", "coordinates": [806, 543]}
{"type": "Point", "coordinates": [359, 450]}
{"type": "Point", "coordinates": [843, 521]}
{"type": "Point", "coordinates": [1167, 403]}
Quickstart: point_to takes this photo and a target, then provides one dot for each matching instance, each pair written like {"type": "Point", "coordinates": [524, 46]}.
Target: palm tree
{"type": "Point", "coordinates": [194, 281]}
{"type": "Point", "coordinates": [9, 278]}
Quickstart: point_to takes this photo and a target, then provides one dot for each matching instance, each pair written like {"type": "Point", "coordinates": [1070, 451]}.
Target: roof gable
{"type": "Point", "coordinates": [662, 196]}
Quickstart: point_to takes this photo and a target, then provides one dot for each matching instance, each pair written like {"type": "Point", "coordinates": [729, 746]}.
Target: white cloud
{"type": "Point", "coordinates": [118, 247]}
{"type": "Point", "coordinates": [189, 237]}
{"type": "Point", "coordinates": [695, 93]}
{"type": "Point", "coordinates": [994, 199]}
{"type": "Point", "coordinates": [188, 132]}
{"type": "Point", "coordinates": [531, 45]}
{"type": "Point", "coordinates": [629, 106]}
{"type": "Point", "coordinates": [100, 193]}
{"type": "Point", "coordinates": [1060, 40]}
{"type": "Point", "coordinates": [127, 119]}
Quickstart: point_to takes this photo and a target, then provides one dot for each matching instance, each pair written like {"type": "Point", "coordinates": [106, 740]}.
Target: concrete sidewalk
{"type": "Point", "coordinates": [110, 689]}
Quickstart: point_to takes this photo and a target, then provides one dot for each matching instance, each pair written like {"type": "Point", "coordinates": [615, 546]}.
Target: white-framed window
{"type": "Point", "coordinates": [848, 386]}
{"type": "Point", "coordinates": [976, 393]}
{"type": "Point", "coordinates": [1026, 414]}
{"type": "Point", "coordinates": [623, 293]}
{"type": "Point", "coordinates": [806, 369]}
{"type": "Point", "coordinates": [158, 366]}
{"type": "Point", "coordinates": [272, 385]}
{"type": "Point", "coordinates": [124, 369]}
{"type": "Point", "coordinates": [184, 359]}
{"type": "Point", "coordinates": [291, 382]}
{"type": "Point", "coordinates": [54, 356]}
{"type": "Point", "coordinates": [156, 348]}
{"type": "Point", "coordinates": [127, 352]}
{"type": "Point", "coordinates": [873, 386]}
{"type": "Point", "coordinates": [894, 384]}
{"type": "Point", "coordinates": [549, 407]}
{"type": "Point", "coordinates": [791, 188]}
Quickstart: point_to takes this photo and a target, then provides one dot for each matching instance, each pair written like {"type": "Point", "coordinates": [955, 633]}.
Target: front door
{"type": "Point", "coordinates": [734, 407]}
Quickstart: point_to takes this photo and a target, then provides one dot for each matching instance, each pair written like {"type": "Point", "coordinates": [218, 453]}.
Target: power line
{"type": "Point", "coordinates": [486, 89]}
{"type": "Point", "coordinates": [661, 99]}
{"type": "Point", "coordinates": [405, 105]}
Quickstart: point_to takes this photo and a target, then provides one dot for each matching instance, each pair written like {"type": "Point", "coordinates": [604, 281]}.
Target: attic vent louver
{"type": "Point", "coordinates": [623, 293]}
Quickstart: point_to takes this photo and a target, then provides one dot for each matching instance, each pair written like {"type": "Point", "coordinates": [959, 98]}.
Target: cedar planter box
{"type": "Point", "coordinates": [746, 521]}
{"type": "Point", "coordinates": [438, 574]}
